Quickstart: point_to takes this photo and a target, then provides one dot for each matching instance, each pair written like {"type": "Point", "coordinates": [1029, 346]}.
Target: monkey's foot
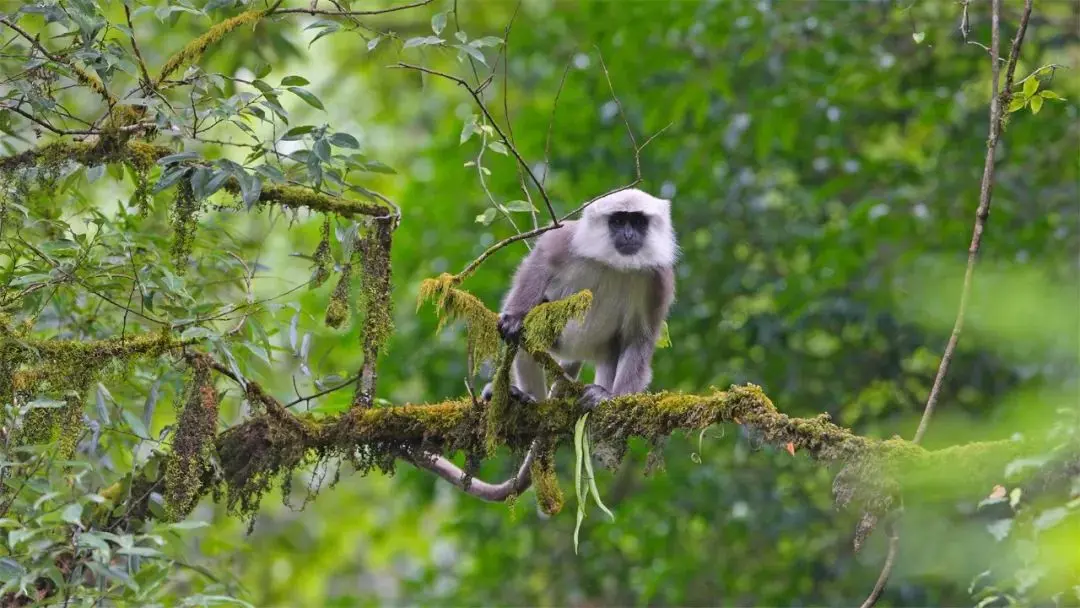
{"type": "Point", "coordinates": [510, 327]}
{"type": "Point", "coordinates": [593, 396]}
{"type": "Point", "coordinates": [516, 394]}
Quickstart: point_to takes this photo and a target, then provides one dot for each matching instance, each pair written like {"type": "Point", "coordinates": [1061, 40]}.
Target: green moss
{"type": "Point", "coordinates": [337, 310]}
{"type": "Point", "coordinates": [321, 257]}
{"type": "Point", "coordinates": [453, 304]}
{"type": "Point", "coordinates": [298, 197]}
{"type": "Point", "coordinates": [185, 219]}
{"type": "Point", "coordinates": [139, 154]}
{"type": "Point", "coordinates": [194, 50]}
{"type": "Point", "coordinates": [374, 252]}
{"type": "Point", "coordinates": [545, 323]}
{"type": "Point", "coordinates": [189, 461]}
{"type": "Point", "coordinates": [549, 496]}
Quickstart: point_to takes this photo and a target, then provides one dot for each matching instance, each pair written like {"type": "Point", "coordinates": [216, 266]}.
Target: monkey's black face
{"type": "Point", "coordinates": [628, 229]}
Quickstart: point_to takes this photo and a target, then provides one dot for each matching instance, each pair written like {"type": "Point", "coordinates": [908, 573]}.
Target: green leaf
{"type": "Point", "coordinates": [188, 525]}
{"type": "Point", "coordinates": [918, 37]}
{"type": "Point", "coordinates": [135, 424]}
{"type": "Point", "coordinates": [664, 339]}
{"type": "Point", "coordinates": [1048, 94]}
{"type": "Point", "coordinates": [1017, 103]}
{"type": "Point", "coordinates": [294, 81]}
{"type": "Point", "coordinates": [421, 41]}
{"type": "Point", "coordinates": [72, 513]}
{"type": "Point", "coordinates": [344, 140]}
{"type": "Point", "coordinates": [297, 132]}
{"type": "Point", "coordinates": [175, 158]}
{"type": "Point", "coordinates": [498, 146]}
{"type": "Point", "coordinates": [468, 129]}
{"type": "Point", "coordinates": [1030, 86]}
{"type": "Point", "coordinates": [438, 22]}
{"type": "Point", "coordinates": [321, 149]}
{"type": "Point", "coordinates": [262, 70]}
{"type": "Point", "coordinates": [472, 51]}
{"type": "Point", "coordinates": [1036, 104]}
{"type": "Point", "coordinates": [374, 166]}
{"type": "Point", "coordinates": [307, 96]}
{"type": "Point", "coordinates": [519, 206]}
{"type": "Point", "coordinates": [486, 41]}
{"type": "Point", "coordinates": [486, 217]}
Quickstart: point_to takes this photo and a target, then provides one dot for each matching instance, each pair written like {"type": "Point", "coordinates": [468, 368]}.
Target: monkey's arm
{"type": "Point", "coordinates": [530, 282]}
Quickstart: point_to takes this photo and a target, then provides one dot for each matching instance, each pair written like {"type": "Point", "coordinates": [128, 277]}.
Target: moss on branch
{"type": "Point", "coordinates": [268, 447]}
{"type": "Point", "coordinates": [140, 154]}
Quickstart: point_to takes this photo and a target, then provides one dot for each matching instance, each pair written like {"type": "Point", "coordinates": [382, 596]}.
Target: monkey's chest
{"type": "Point", "coordinates": [619, 309]}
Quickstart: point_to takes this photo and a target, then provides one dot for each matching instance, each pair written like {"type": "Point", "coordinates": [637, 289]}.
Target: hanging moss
{"type": "Point", "coordinates": [185, 219]}
{"type": "Point", "coordinates": [549, 496]}
{"type": "Point", "coordinates": [374, 250]}
{"type": "Point", "coordinates": [321, 257]}
{"type": "Point", "coordinates": [192, 444]}
{"type": "Point", "coordinates": [337, 310]}
{"type": "Point", "coordinates": [453, 304]}
{"type": "Point", "coordinates": [545, 323]}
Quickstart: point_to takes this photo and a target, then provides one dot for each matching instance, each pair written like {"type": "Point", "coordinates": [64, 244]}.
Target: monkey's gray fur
{"type": "Point", "coordinates": [623, 249]}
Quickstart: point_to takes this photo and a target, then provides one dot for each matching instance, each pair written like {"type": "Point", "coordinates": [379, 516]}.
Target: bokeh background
{"type": "Point", "coordinates": [823, 158]}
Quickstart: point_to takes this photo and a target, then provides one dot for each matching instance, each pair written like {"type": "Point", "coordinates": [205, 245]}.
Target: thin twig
{"type": "Point", "coordinates": [626, 121]}
{"type": "Point", "coordinates": [135, 47]}
{"type": "Point", "coordinates": [551, 123]}
{"type": "Point", "coordinates": [381, 11]}
{"type": "Point", "coordinates": [985, 191]}
{"type": "Point", "coordinates": [495, 125]}
{"type": "Point", "coordinates": [468, 270]}
{"type": "Point", "coordinates": [886, 570]}
{"type": "Point", "coordinates": [999, 99]}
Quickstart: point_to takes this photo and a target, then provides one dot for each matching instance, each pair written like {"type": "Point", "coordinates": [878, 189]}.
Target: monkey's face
{"type": "Point", "coordinates": [628, 230]}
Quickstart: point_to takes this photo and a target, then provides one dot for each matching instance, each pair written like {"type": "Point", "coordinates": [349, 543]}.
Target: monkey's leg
{"type": "Point", "coordinates": [529, 375]}
{"type": "Point", "coordinates": [571, 368]}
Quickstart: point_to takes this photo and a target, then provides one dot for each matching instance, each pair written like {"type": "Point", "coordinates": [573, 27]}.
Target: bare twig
{"type": "Point", "coordinates": [468, 270]}
{"type": "Point", "coordinates": [999, 98]}
{"type": "Point", "coordinates": [492, 492]}
{"type": "Point", "coordinates": [626, 121]}
{"type": "Point", "coordinates": [135, 47]}
{"type": "Point", "coordinates": [997, 101]}
{"type": "Point", "coordinates": [381, 11]}
{"type": "Point", "coordinates": [886, 570]}
{"type": "Point", "coordinates": [495, 125]}
{"type": "Point", "coordinates": [551, 123]}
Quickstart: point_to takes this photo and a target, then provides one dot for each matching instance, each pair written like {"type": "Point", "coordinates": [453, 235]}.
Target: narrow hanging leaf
{"type": "Point", "coordinates": [579, 432]}
{"type": "Point", "coordinates": [587, 453]}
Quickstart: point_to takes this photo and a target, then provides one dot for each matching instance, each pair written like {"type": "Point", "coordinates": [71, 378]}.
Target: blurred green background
{"type": "Point", "coordinates": [823, 158]}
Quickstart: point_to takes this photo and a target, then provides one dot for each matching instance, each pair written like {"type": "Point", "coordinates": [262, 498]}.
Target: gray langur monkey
{"type": "Point", "coordinates": [623, 249]}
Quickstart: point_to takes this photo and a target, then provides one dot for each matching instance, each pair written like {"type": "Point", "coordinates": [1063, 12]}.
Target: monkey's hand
{"type": "Point", "coordinates": [593, 396]}
{"type": "Point", "coordinates": [510, 326]}
{"type": "Point", "coordinates": [516, 394]}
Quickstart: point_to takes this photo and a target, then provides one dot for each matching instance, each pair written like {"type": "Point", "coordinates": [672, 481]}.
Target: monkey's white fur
{"type": "Point", "coordinates": [591, 239]}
